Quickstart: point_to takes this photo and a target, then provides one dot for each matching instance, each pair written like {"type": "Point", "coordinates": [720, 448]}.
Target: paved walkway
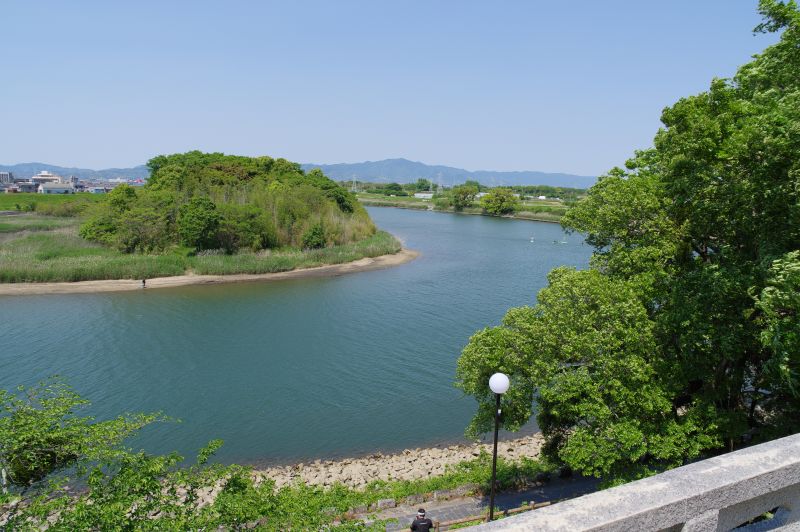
{"type": "Point", "coordinates": [469, 506]}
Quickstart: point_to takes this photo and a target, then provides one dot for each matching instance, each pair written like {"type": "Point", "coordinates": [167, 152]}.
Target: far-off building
{"type": "Point", "coordinates": [46, 177]}
{"type": "Point", "coordinates": [56, 188]}
{"type": "Point", "coordinates": [6, 178]}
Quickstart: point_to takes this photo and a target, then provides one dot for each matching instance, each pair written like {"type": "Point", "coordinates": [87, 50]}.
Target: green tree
{"type": "Point", "coordinates": [585, 353]}
{"type": "Point", "coordinates": [122, 197]}
{"type": "Point", "coordinates": [779, 308]}
{"type": "Point", "coordinates": [463, 196]}
{"type": "Point", "coordinates": [682, 337]}
{"type": "Point", "coordinates": [198, 221]}
{"type": "Point", "coordinates": [499, 201]}
{"type": "Point", "coordinates": [393, 189]}
{"type": "Point", "coordinates": [473, 183]}
{"type": "Point", "coordinates": [423, 184]}
{"type": "Point", "coordinates": [41, 434]}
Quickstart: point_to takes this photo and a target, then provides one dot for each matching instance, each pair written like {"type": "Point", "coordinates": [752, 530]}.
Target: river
{"type": "Point", "coordinates": [300, 369]}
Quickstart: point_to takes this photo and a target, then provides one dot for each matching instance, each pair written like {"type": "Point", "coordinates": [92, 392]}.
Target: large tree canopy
{"type": "Point", "coordinates": [683, 337]}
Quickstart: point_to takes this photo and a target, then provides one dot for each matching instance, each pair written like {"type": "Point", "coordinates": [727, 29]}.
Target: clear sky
{"type": "Point", "coordinates": [572, 86]}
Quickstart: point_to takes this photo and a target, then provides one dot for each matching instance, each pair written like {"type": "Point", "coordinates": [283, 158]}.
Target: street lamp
{"type": "Point", "coordinates": [499, 385]}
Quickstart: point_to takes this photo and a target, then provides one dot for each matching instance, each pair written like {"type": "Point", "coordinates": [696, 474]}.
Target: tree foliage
{"type": "Point", "coordinates": [198, 221]}
{"type": "Point", "coordinates": [422, 185]}
{"type": "Point", "coordinates": [463, 196]}
{"type": "Point", "coordinates": [217, 201]}
{"type": "Point", "coordinates": [682, 338]}
{"type": "Point", "coordinates": [67, 472]}
{"type": "Point", "coordinates": [499, 201]}
{"type": "Point", "coordinates": [41, 433]}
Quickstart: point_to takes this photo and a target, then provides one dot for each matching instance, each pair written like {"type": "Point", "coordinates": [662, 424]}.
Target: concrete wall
{"type": "Point", "coordinates": [717, 494]}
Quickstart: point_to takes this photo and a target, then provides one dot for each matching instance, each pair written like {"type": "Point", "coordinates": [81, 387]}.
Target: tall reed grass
{"type": "Point", "coordinates": [61, 255]}
{"type": "Point", "coordinates": [381, 243]}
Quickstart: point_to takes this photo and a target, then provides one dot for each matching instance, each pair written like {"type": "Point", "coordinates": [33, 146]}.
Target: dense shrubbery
{"type": "Point", "coordinates": [215, 201]}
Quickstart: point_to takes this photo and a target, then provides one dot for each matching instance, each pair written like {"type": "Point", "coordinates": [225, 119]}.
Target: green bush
{"type": "Point", "coordinates": [315, 237]}
{"type": "Point", "coordinates": [142, 229]}
{"type": "Point", "coordinates": [100, 226]}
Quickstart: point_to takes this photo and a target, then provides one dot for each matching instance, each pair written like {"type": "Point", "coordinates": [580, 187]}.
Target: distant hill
{"type": "Point", "coordinates": [386, 171]}
{"type": "Point", "coordinates": [405, 171]}
{"type": "Point", "coordinates": [26, 170]}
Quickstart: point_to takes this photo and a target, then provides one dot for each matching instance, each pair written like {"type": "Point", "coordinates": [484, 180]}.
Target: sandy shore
{"type": "Point", "coordinates": [122, 285]}
{"type": "Point", "coordinates": [411, 464]}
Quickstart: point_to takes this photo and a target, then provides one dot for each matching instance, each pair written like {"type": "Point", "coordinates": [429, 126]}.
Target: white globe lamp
{"type": "Point", "coordinates": [499, 383]}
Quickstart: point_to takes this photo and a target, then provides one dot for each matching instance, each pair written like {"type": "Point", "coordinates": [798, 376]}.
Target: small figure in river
{"type": "Point", "coordinates": [421, 523]}
{"type": "Point", "coordinates": [144, 283]}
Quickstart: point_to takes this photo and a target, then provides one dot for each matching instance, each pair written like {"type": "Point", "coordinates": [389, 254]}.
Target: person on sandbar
{"type": "Point", "coordinates": [421, 523]}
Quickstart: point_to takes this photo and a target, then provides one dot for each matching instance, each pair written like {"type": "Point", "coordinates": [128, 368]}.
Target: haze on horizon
{"type": "Point", "coordinates": [554, 87]}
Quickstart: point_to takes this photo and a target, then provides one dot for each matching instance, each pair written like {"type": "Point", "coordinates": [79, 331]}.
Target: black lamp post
{"type": "Point", "coordinates": [499, 385]}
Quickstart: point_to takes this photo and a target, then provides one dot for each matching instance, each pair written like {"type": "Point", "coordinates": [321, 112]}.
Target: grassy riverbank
{"type": "Point", "coordinates": [48, 204]}
{"type": "Point", "coordinates": [35, 248]}
{"type": "Point", "coordinates": [259, 504]}
{"type": "Point", "coordinates": [323, 505]}
{"type": "Point", "coordinates": [536, 210]}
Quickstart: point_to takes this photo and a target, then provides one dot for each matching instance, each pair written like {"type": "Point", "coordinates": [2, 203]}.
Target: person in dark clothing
{"type": "Point", "coordinates": [421, 523]}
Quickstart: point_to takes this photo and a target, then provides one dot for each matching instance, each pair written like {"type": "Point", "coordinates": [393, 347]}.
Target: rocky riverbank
{"type": "Point", "coordinates": [411, 464]}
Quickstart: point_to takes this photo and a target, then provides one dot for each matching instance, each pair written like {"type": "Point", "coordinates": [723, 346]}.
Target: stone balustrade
{"type": "Point", "coordinates": [717, 494]}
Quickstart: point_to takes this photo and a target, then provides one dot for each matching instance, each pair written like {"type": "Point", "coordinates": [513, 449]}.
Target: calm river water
{"type": "Point", "coordinates": [295, 369]}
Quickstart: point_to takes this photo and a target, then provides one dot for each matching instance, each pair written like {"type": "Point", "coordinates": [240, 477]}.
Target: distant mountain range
{"type": "Point", "coordinates": [405, 171]}
{"type": "Point", "coordinates": [387, 171]}
{"type": "Point", "coordinates": [26, 170]}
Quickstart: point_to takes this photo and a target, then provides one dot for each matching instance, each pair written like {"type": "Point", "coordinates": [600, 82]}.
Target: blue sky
{"type": "Point", "coordinates": [501, 85]}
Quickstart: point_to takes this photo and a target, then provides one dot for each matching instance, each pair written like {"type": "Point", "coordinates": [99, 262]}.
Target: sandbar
{"type": "Point", "coordinates": [123, 285]}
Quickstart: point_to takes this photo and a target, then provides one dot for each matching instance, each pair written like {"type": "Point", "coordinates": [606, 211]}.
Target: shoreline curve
{"type": "Point", "coordinates": [409, 464]}
{"type": "Point", "coordinates": [124, 285]}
